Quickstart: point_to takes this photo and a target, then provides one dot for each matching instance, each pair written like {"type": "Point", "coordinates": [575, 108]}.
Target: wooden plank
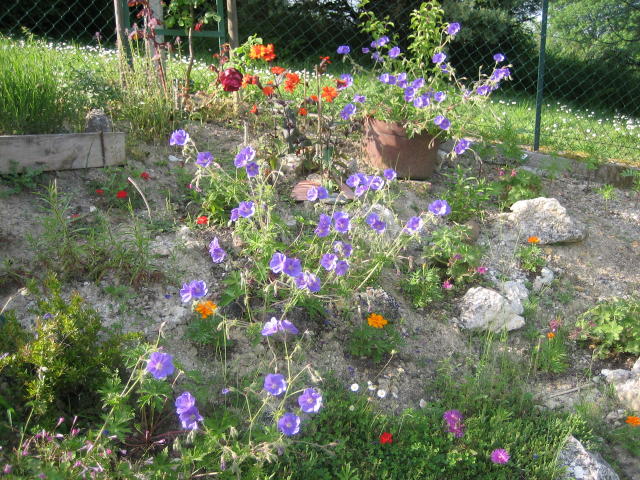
{"type": "Point", "coordinates": [62, 151]}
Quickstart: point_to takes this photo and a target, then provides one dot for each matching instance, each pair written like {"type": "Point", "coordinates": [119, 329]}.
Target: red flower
{"type": "Point", "coordinates": [75, 215]}
{"type": "Point", "coordinates": [198, 26]}
{"type": "Point", "coordinates": [121, 194]}
{"type": "Point", "coordinates": [278, 70]}
{"type": "Point", "coordinates": [329, 93]}
{"type": "Point", "coordinates": [268, 91]}
{"type": "Point", "coordinates": [386, 437]}
{"type": "Point", "coordinates": [292, 82]}
{"type": "Point", "coordinates": [231, 80]}
{"type": "Point", "coordinates": [325, 59]}
{"type": "Point", "coordinates": [145, 176]}
{"type": "Point", "coordinates": [314, 98]}
{"type": "Point", "coordinates": [302, 111]}
{"type": "Point", "coordinates": [99, 191]}
{"type": "Point", "coordinates": [254, 109]}
{"type": "Point", "coordinates": [202, 220]}
{"type": "Point", "coordinates": [268, 53]}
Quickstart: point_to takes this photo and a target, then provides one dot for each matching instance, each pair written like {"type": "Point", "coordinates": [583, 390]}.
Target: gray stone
{"type": "Point", "coordinates": [97, 121]}
{"type": "Point", "coordinates": [545, 278]}
{"type": "Point", "coordinates": [483, 308]}
{"type": "Point", "coordinates": [626, 384]}
{"type": "Point", "coordinates": [546, 219]}
{"type": "Point", "coordinates": [583, 465]}
{"type": "Point", "coordinates": [377, 300]}
{"type": "Point", "coordinates": [516, 293]}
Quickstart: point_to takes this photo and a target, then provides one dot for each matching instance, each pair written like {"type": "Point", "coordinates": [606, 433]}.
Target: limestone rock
{"type": "Point", "coordinates": [546, 219]}
{"type": "Point", "coordinates": [582, 464]}
{"type": "Point", "coordinates": [545, 278]}
{"type": "Point", "coordinates": [486, 309]}
{"type": "Point", "coordinates": [516, 293]}
{"type": "Point", "coordinates": [626, 384]}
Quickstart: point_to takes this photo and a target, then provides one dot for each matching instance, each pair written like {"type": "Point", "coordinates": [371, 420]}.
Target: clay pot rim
{"type": "Point", "coordinates": [381, 127]}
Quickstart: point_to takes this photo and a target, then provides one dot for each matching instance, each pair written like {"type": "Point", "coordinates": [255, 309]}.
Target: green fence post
{"type": "Point", "coordinates": [220, 4]}
{"type": "Point", "coordinates": [540, 83]}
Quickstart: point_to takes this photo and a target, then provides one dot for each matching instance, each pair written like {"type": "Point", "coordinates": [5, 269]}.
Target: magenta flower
{"type": "Point", "coordinates": [275, 384]}
{"type": "Point", "coordinates": [179, 137]}
{"type": "Point", "coordinates": [289, 424]}
{"type": "Point", "coordinates": [500, 456]}
{"type": "Point", "coordinates": [217, 253]}
{"type": "Point", "coordinates": [447, 285]}
{"type": "Point", "coordinates": [160, 365]}
{"type": "Point", "coordinates": [454, 422]}
{"type": "Point", "coordinates": [482, 270]}
{"type": "Point", "coordinates": [310, 401]}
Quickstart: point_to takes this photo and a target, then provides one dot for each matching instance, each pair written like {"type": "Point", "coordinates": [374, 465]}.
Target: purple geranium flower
{"type": "Point", "coordinates": [309, 281]}
{"type": "Point", "coordinates": [342, 267]}
{"type": "Point", "coordinates": [246, 209]}
{"type": "Point", "coordinates": [292, 267]}
{"type": "Point", "coordinates": [453, 28]}
{"type": "Point", "coordinates": [439, 96]}
{"type": "Point", "coordinates": [414, 225]}
{"type": "Point", "coordinates": [376, 56]}
{"type": "Point", "coordinates": [193, 289]}
{"type": "Point", "coordinates": [390, 174]}
{"type": "Point", "coordinates": [343, 248]}
{"type": "Point", "coordinates": [500, 456]}
{"type": "Point", "coordinates": [462, 146]}
{"type": "Point", "coordinates": [204, 159]}
{"type": "Point", "coordinates": [252, 169]}
{"type": "Point", "coordinates": [384, 78]}
{"type": "Point", "coordinates": [217, 253]}
{"type": "Point", "coordinates": [347, 79]}
{"type": "Point", "coordinates": [274, 326]}
{"type": "Point", "coordinates": [365, 50]}
{"type": "Point", "coordinates": [289, 424]}
{"type": "Point", "coordinates": [343, 49]}
{"type": "Point", "coordinates": [235, 214]}
{"type": "Point", "coordinates": [440, 208]}
{"type": "Point", "coordinates": [394, 52]}
{"type": "Point", "coordinates": [348, 110]}
{"type": "Point", "coordinates": [498, 57]}
{"type": "Point", "coordinates": [353, 181]}
{"type": "Point", "coordinates": [500, 73]}
{"type": "Point", "coordinates": [275, 384]}
{"type": "Point", "coordinates": [381, 42]}
{"type": "Point", "coordinates": [184, 402]}
{"type": "Point", "coordinates": [483, 90]}
{"type": "Point", "coordinates": [409, 94]}
{"type": "Point", "coordinates": [179, 137]}
{"type": "Point", "coordinates": [310, 401]}
{"type": "Point", "coordinates": [418, 83]}
{"type": "Point", "coordinates": [421, 101]}
{"type": "Point", "coordinates": [160, 365]}
{"type": "Point", "coordinates": [442, 122]}
{"type": "Point", "coordinates": [246, 155]}
{"type": "Point", "coordinates": [439, 57]}
{"type": "Point", "coordinates": [189, 419]}
{"type": "Point", "coordinates": [324, 223]}
{"type": "Point", "coordinates": [359, 98]}
{"type": "Point", "coordinates": [277, 262]}
{"type": "Point", "coordinates": [341, 222]}
{"type": "Point", "coordinates": [376, 183]}
{"type": "Point", "coordinates": [328, 261]}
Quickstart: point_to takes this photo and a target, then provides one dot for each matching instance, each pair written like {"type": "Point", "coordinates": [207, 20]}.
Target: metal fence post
{"type": "Point", "coordinates": [540, 82]}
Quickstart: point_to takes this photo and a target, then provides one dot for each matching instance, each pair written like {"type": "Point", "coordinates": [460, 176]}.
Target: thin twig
{"type": "Point", "coordinates": [141, 194]}
{"type": "Point", "coordinates": [571, 390]}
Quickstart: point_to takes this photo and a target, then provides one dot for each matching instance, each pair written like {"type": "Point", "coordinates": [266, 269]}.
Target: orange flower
{"type": "Point", "coordinates": [249, 80]}
{"type": "Point", "coordinates": [278, 70]}
{"type": "Point", "coordinates": [268, 91]}
{"type": "Point", "coordinates": [341, 83]}
{"type": "Point", "coordinates": [292, 82]}
{"type": "Point", "coordinates": [268, 53]}
{"type": "Point", "coordinates": [329, 93]}
{"type": "Point", "coordinates": [325, 59]}
{"type": "Point", "coordinates": [376, 321]}
{"type": "Point", "coordinates": [551, 335]}
{"type": "Point", "coordinates": [314, 98]}
{"type": "Point", "coordinates": [254, 109]}
{"type": "Point", "coordinates": [533, 239]}
{"type": "Point", "coordinates": [302, 111]}
{"type": "Point", "coordinates": [633, 421]}
{"type": "Point", "coordinates": [206, 308]}
{"type": "Point", "coordinates": [256, 52]}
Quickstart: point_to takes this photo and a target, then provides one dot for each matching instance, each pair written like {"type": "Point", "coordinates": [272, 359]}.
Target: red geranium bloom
{"type": "Point", "coordinates": [329, 93]}
{"type": "Point", "coordinates": [292, 82]}
{"type": "Point", "coordinates": [198, 26]}
{"type": "Point", "coordinates": [325, 59]}
{"type": "Point", "coordinates": [278, 70]}
{"type": "Point", "coordinates": [121, 194]}
{"type": "Point", "coordinates": [145, 176]}
{"type": "Point", "coordinates": [99, 191]}
{"type": "Point", "coordinates": [254, 109]}
{"type": "Point", "coordinates": [314, 98]}
{"type": "Point", "coordinates": [302, 111]}
{"type": "Point", "coordinates": [386, 437]}
{"type": "Point", "coordinates": [268, 91]}
{"type": "Point", "coordinates": [202, 220]}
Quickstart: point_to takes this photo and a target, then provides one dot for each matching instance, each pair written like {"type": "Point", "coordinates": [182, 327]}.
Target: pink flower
{"type": "Point", "coordinates": [500, 456]}
{"type": "Point", "coordinates": [447, 285]}
{"type": "Point", "coordinates": [231, 80]}
{"type": "Point", "coordinates": [482, 270]}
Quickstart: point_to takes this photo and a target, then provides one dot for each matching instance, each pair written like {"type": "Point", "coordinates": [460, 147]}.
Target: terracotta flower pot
{"type": "Point", "coordinates": [386, 145]}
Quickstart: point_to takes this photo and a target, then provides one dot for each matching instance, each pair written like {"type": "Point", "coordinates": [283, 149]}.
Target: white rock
{"type": "Point", "coordinates": [486, 309]}
{"type": "Point", "coordinates": [545, 278]}
{"type": "Point", "coordinates": [582, 464]}
{"type": "Point", "coordinates": [516, 293]}
{"type": "Point", "coordinates": [546, 219]}
{"type": "Point", "coordinates": [626, 384]}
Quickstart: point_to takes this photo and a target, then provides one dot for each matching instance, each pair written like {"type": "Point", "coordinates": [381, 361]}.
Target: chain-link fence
{"type": "Point", "coordinates": [591, 77]}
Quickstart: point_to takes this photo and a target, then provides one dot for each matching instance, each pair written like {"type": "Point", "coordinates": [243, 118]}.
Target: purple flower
{"type": "Point", "coordinates": [454, 422]}
{"type": "Point", "coordinates": [342, 267]}
{"type": "Point", "coordinates": [7, 469]}
{"type": "Point", "coordinates": [189, 419]}
{"type": "Point", "coordinates": [381, 42]}
{"type": "Point", "coordinates": [275, 384]}
{"type": "Point", "coordinates": [246, 209]}
{"type": "Point", "coordinates": [292, 267]}
{"type": "Point", "coordinates": [204, 159]}
{"type": "Point", "coordinates": [343, 49]}
{"type": "Point", "coordinates": [392, 80]}
{"type": "Point", "coordinates": [309, 281]}
{"type": "Point", "coordinates": [310, 401]}
{"type": "Point", "coordinates": [348, 79]}
{"type": "Point", "coordinates": [376, 56]}
{"type": "Point", "coordinates": [348, 110]}
{"type": "Point", "coordinates": [185, 402]}
{"type": "Point", "coordinates": [160, 365]}
{"type": "Point", "coordinates": [277, 262]}
{"type": "Point", "coordinates": [500, 456]}
{"type": "Point", "coordinates": [483, 90]}
{"type": "Point", "coordinates": [317, 193]}
{"type": "Point", "coordinates": [421, 101]}
{"type": "Point", "coordinates": [394, 52]}
{"type": "Point", "coordinates": [252, 169]}
{"type": "Point", "coordinates": [409, 94]}
{"type": "Point", "coordinates": [246, 155]}
{"type": "Point", "coordinates": [414, 225]}
{"type": "Point", "coordinates": [439, 96]}
{"type": "Point", "coordinates": [376, 183]}
{"type": "Point", "coordinates": [353, 181]}
{"type": "Point", "coordinates": [193, 289]}
{"type": "Point", "coordinates": [384, 78]}
{"type": "Point", "coordinates": [343, 248]}
{"type": "Point", "coordinates": [328, 261]}
{"type": "Point", "coordinates": [442, 122]}
{"type": "Point", "coordinates": [289, 424]}
{"type": "Point", "coordinates": [498, 57]}
{"type": "Point", "coordinates": [390, 174]}
{"type": "Point", "coordinates": [225, 391]}
{"type": "Point", "coordinates": [461, 146]}
{"type": "Point", "coordinates": [439, 57]}
{"type": "Point", "coordinates": [418, 83]}
{"type": "Point", "coordinates": [440, 208]}
{"type": "Point", "coordinates": [179, 137]}
{"type": "Point", "coordinates": [365, 50]}
{"type": "Point", "coordinates": [274, 326]}
{"type": "Point", "coordinates": [235, 214]}
{"type": "Point", "coordinates": [373, 220]}
{"type": "Point", "coordinates": [217, 253]}
{"type": "Point", "coordinates": [341, 222]}
{"type": "Point", "coordinates": [359, 98]}
{"type": "Point", "coordinates": [453, 28]}
{"type": "Point", "coordinates": [322, 230]}
{"type": "Point", "coordinates": [500, 73]}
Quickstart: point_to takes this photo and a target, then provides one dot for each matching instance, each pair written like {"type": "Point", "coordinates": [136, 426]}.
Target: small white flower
{"type": "Point", "coordinates": [423, 403]}
{"type": "Point", "coordinates": [351, 408]}
{"type": "Point", "coordinates": [355, 387]}
{"type": "Point", "coordinates": [381, 393]}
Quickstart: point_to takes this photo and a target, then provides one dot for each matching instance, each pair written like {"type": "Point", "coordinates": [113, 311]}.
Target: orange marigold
{"type": "Point", "coordinates": [278, 70]}
{"type": "Point", "coordinates": [256, 52]}
{"type": "Point", "coordinates": [268, 53]}
{"type": "Point", "coordinates": [329, 93]}
{"type": "Point", "coordinates": [551, 335]}
{"type": "Point", "coordinates": [268, 91]}
{"type": "Point", "coordinates": [314, 98]}
{"type": "Point", "coordinates": [249, 80]}
{"type": "Point", "coordinates": [633, 421]}
{"type": "Point", "coordinates": [206, 308]}
{"type": "Point", "coordinates": [254, 109]}
{"type": "Point", "coordinates": [291, 82]}
{"type": "Point", "coordinates": [376, 321]}
{"type": "Point", "coordinates": [302, 111]}
{"type": "Point", "coordinates": [533, 239]}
